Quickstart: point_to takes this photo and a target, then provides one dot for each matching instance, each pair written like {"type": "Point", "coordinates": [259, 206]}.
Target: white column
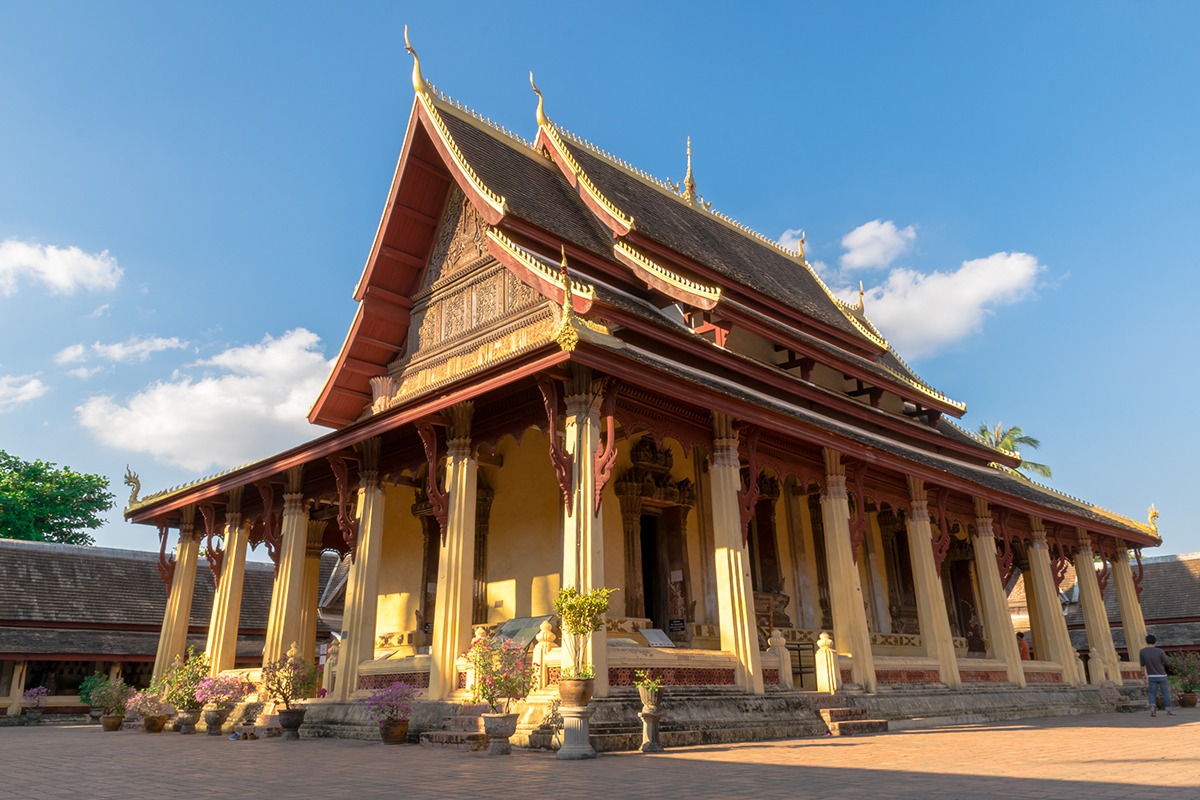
{"type": "Point", "coordinates": [1049, 608]}
{"type": "Point", "coordinates": [1132, 622]}
{"type": "Point", "coordinates": [172, 639]}
{"type": "Point", "coordinates": [456, 563]}
{"type": "Point", "coordinates": [735, 594]}
{"type": "Point", "coordinates": [1100, 641]}
{"type": "Point", "coordinates": [996, 619]}
{"type": "Point", "coordinates": [931, 602]}
{"type": "Point", "coordinates": [227, 601]}
{"type": "Point", "coordinates": [362, 596]}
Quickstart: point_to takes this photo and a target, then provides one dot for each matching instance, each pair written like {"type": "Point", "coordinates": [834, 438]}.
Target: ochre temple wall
{"type": "Point", "coordinates": [400, 563]}
{"type": "Point", "coordinates": [525, 533]}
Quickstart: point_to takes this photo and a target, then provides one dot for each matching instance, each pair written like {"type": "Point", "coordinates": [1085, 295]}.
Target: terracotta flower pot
{"type": "Point", "coordinates": [1187, 700]}
{"type": "Point", "coordinates": [154, 724]}
{"type": "Point", "coordinates": [290, 719]}
{"type": "Point", "coordinates": [111, 722]}
{"type": "Point", "coordinates": [214, 719]}
{"type": "Point", "coordinates": [499, 727]}
{"type": "Point", "coordinates": [576, 692]}
{"type": "Point", "coordinates": [393, 731]}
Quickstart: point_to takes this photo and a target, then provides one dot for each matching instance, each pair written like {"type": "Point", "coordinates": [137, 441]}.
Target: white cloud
{"type": "Point", "coordinates": [791, 238]}
{"type": "Point", "coordinates": [254, 404]}
{"type": "Point", "coordinates": [61, 269]}
{"type": "Point", "coordinates": [18, 389]}
{"type": "Point", "coordinates": [922, 313]}
{"type": "Point", "coordinates": [875, 244]}
{"type": "Point", "coordinates": [101, 311]}
{"type": "Point", "coordinates": [84, 372]}
{"type": "Point", "coordinates": [135, 348]}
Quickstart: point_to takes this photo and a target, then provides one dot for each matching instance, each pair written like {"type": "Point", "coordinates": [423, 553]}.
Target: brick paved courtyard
{"type": "Point", "coordinates": [1096, 757]}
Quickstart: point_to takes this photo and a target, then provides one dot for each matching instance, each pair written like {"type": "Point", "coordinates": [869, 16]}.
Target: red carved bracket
{"type": "Point", "coordinates": [166, 564]}
{"type": "Point", "coordinates": [606, 457]}
{"type": "Point", "coordinates": [272, 522]}
{"type": "Point", "coordinates": [1141, 572]}
{"type": "Point", "coordinates": [347, 522]}
{"type": "Point", "coordinates": [1104, 573]}
{"type": "Point", "coordinates": [215, 553]}
{"type": "Point", "coordinates": [558, 455]}
{"type": "Point", "coordinates": [1005, 553]}
{"type": "Point", "coordinates": [941, 542]}
{"type": "Point", "coordinates": [856, 473]}
{"type": "Point", "coordinates": [748, 494]}
{"type": "Point", "coordinates": [1062, 560]}
{"type": "Point", "coordinates": [438, 504]}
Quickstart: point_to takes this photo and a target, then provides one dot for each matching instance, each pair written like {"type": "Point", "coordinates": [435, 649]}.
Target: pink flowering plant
{"type": "Point", "coordinates": [35, 697]}
{"type": "Point", "coordinates": [503, 672]}
{"type": "Point", "coordinates": [148, 703]}
{"type": "Point", "coordinates": [289, 679]}
{"type": "Point", "coordinates": [221, 691]}
{"type": "Point", "coordinates": [391, 703]}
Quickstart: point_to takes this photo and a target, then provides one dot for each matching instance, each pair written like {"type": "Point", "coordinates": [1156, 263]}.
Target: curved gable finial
{"type": "Point", "coordinates": [418, 80]}
{"type": "Point", "coordinates": [542, 120]}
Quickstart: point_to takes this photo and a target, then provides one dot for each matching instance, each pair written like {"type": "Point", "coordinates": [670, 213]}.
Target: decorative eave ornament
{"type": "Point", "coordinates": [573, 328]}
{"type": "Point", "coordinates": [542, 120]}
{"type": "Point", "coordinates": [418, 80]}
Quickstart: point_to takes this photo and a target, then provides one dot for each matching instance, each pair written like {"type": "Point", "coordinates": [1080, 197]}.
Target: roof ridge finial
{"type": "Point", "coordinates": [418, 80]}
{"type": "Point", "coordinates": [566, 279]}
{"type": "Point", "coordinates": [542, 119]}
{"type": "Point", "coordinates": [861, 307]}
{"type": "Point", "coordinates": [689, 181]}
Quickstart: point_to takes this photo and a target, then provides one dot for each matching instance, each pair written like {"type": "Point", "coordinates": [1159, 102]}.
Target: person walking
{"type": "Point", "coordinates": [1023, 647]}
{"type": "Point", "coordinates": [1154, 661]}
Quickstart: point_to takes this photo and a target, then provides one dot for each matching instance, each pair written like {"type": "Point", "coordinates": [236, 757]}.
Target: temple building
{"type": "Point", "coordinates": [565, 372]}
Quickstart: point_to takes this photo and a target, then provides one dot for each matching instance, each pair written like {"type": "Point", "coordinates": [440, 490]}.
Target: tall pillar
{"type": "Point", "coordinates": [1132, 622]}
{"type": "Point", "coordinates": [310, 594]}
{"type": "Point", "coordinates": [927, 580]}
{"type": "Point", "coordinates": [735, 592]}
{"type": "Point", "coordinates": [996, 619]}
{"type": "Point", "coordinates": [282, 627]}
{"type": "Point", "coordinates": [227, 601]}
{"type": "Point", "coordinates": [172, 640]}
{"type": "Point", "coordinates": [583, 520]}
{"type": "Point", "coordinates": [362, 595]}
{"type": "Point", "coordinates": [1095, 618]}
{"type": "Point", "coordinates": [1049, 610]}
{"type": "Point", "coordinates": [456, 561]}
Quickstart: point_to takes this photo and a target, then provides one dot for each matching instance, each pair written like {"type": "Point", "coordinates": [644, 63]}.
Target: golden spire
{"type": "Point", "coordinates": [542, 120]}
{"type": "Point", "coordinates": [689, 182]}
{"type": "Point", "coordinates": [860, 296]}
{"type": "Point", "coordinates": [566, 279]}
{"type": "Point", "coordinates": [418, 81]}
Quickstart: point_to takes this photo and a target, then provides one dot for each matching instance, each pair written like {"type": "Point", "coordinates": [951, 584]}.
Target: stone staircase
{"type": "Point", "coordinates": [851, 722]}
{"type": "Point", "coordinates": [463, 731]}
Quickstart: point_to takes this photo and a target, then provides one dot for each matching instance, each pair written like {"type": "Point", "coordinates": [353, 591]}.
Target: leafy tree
{"type": "Point", "coordinates": [42, 503]}
{"type": "Point", "coordinates": [1013, 439]}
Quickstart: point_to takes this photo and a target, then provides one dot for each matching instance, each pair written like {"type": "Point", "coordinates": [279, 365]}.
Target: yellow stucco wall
{"type": "Point", "coordinates": [399, 572]}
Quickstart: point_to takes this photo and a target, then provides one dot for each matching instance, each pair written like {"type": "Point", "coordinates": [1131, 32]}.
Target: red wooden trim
{"type": "Point", "coordinates": [558, 456]}
{"type": "Point", "coordinates": [606, 457]}
{"type": "Point", "coordinates": [606, 217]}
{"type": "Point", "coordinates": [748, 494]}
{"type": "Point", "coordinates": [347, 522]}
{"type": "Point", "coordinates": [481, 203]}
{"type": "Point", "coordinates": [437, 498]}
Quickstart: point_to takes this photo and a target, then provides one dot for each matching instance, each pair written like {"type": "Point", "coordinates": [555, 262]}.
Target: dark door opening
{"type": "Point", "coordinates": [652, 585]}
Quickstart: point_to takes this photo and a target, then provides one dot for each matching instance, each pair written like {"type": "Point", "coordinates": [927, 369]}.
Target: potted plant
{"type": "Point", "coordinates": [391, 707]}
{"type": "Point", "coordinates": [287, 680]}
{"type": "Point", "coordinates": [649, 688]}
{"type": "Point", "coordinates": [1185, 676]}
{"type": "Point", "coordinates": [218, 694]}
{"type": "Point", "coordinates": [179, 685]}
{"type": "Point", "coordinates": [86, 687]}
{"type": "Point", "coordinates": [33, 703]}
{"type": "Point", "coordinates": [580, 615]}
{"type": "Point", "coordinates": [151, 707]}
{"type": "Point", "coordinates": [112, 695]}
{"type": "Point", "coordinates": [503, 673]}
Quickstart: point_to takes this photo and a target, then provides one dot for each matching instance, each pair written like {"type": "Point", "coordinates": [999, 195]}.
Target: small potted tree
{"type": "Point", "coordinates": [151, 707]}
{"type": "Point", "coordinates": [580, 615]}
{"type": "Point", "coordinates": [391, 707]}
{"type": "Point", "coordinates": [112, 695]}
{"type": "Point", "coordinates": [503, 673]}
{"type": "Point", "coordinates": [287, 680]}
{"type": "Point", "coordinates": [1185, 676]}
{"type": "Point", "coordinates": [34, 698]}
{"type": "Point", "coordinates": [86, 687]}
{"type": "Point", "coordinates": [179, 685]}
{"type": "Point", "coordinates": [218, 694]}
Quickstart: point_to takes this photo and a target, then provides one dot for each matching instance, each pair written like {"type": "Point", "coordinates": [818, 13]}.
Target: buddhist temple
{"type": "Point", "coordinates": [563, 371]}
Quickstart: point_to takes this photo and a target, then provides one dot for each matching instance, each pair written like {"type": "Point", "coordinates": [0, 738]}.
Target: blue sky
{"type": "Point", "coordinates": [188, 194]}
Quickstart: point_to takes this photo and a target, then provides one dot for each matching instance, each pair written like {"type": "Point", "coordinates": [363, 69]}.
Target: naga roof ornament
{"type": "Point", "coordinates": [542, 120]}
{"type": "Point", "coordinates": [418, 80]}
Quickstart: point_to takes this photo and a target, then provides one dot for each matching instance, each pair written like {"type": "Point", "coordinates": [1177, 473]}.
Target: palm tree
{"type": "Point", "coordinates": [1013, 439]}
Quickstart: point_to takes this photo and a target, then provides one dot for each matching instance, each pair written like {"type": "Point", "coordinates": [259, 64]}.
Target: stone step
{"type": "Point", "coordinates": [468, 723]}
{"type": "Point", "coordinates": [1131, 706]}
{"type": "Point", "coordinates": [456, 740]}
{"type": "Point", "coordinates": [842, 714]}
{"type": "Point", "coordinates": [858, 727]}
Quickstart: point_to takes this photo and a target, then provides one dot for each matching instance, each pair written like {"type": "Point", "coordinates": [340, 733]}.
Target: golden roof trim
{"type": "Point", "coordinates": [1104, 512]}
{"type": "Point", "coordinates": [710, 294]}
{"type": "Point", "coordinates": [552, 132]}
{"type": "Point", "coordinates": [587, 291]}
